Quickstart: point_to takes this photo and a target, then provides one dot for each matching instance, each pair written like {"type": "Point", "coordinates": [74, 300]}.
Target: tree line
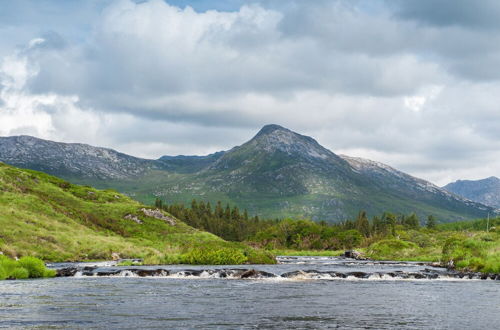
{"type": "Point", "coordinates": [232, 224]}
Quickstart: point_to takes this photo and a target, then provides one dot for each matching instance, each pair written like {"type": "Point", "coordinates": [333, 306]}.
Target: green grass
{"type": "Point", "coordinates": [308, 253]}
{"type": "Point", "coordinates": [24, 268]}
{"type": "Point", "coordinates": [476, 252]}
{"type": "Point", "coordinates": [468, 251]}
{"type": "Point", "coordinates": [50, 219]}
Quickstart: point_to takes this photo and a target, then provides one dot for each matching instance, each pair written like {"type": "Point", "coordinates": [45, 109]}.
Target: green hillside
{"type": "Point", "coordinates": [49, 218]}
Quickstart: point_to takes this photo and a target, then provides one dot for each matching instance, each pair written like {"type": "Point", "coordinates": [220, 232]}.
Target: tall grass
{"type": "Point", "coordinates": [26, 267]}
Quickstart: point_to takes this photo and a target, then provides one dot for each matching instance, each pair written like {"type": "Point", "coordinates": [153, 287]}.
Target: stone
{"type": "Point", "coordinates": [66, 272]}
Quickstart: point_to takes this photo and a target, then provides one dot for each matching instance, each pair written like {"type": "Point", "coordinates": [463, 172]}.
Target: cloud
{"type": "Point", "coordinates": [474, 14]}
{"type": "Point", "coordinates": [391, 81]}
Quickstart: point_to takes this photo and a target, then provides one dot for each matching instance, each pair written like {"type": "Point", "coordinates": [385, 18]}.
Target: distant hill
{"type": "Point", "coordinates": [278, 173]}
{"type": "Point", "coordinates": [71, 160]}
{"type": "Point", "coordinates": [485, 191]}
{"type": "Point", "coordinates": [47, 217]}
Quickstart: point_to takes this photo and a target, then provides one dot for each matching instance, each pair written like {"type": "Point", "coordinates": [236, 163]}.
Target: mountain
{"type": "Point", "coordinates": [47, 217]}
{"type": "Point", "coordinates": [485, 191]}
{"type": "Point", "coordinates": [278, 173]}
{"type": "Point", "coordinates": [71, 160]}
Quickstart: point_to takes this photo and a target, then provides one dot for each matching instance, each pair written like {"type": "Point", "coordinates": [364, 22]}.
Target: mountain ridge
{"type": "Point", "coordinates": [485, 191]}
{"type": "Point", "coordinates": [277, 173]}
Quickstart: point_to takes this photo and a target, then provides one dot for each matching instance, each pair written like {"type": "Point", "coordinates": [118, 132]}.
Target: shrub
{"type": "Point", "coordinates": [350, 238]}
{"type": "Point", "coordinates": [3, 273]}
{"type": "Point", "coordinates": [49, 272]}
{"type": "Point", "coordinates": [35, 267]}
{"type": "Point", "coordinates": [19, 273]}
{"type": "Point", "coordinates": [8, 264]}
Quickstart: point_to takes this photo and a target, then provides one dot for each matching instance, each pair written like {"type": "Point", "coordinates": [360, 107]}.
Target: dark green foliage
{"type": "Point", "coordinates": [362, 224]}
{"type": "Point", "coordinates": [225, 222]}
{"type": "Point", "coordinates": [431, 222]}
{"type": "Point", "coordinates": [476, 225]}
{"type": "Point", "coordinates": [350, 238]}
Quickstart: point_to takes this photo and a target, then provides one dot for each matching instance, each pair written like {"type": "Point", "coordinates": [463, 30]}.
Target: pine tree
{"type": "Point", "coordinates": [431, 222]}
{"type": "Point", "coordinates": [158, 203]}
{"type": "Point", "coordinates": [362, 224]}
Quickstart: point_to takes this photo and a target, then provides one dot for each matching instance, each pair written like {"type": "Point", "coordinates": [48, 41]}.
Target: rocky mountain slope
{"type": "Point", "coordinates": [277, 173]}
{"type": "Point", "coordinates": [485, 191]}
{"type": "Point", "coordinates": [71, 160]}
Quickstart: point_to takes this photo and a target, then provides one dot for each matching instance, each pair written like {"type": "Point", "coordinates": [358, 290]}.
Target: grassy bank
{"type": "Point", "coordinates": [24, 268]}
{"type": "Point", "coordinates": [462, 250]}
{"type": "Point", "coordinates": [308, 253]}
{"type": "Point", "coordinates": [51, 219]}
{"type": "Point", "coordinates": [464, 245]}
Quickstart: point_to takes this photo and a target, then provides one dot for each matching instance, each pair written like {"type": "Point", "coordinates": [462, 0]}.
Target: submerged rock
{"type": "Point", "coordinates": [252, 273]}
{"type": "Point", "coordinates": [353, 254]}
{"type": "Point", "coordinates": [150, 272]}
{"type": "Point", "coordinates": [66, 272]}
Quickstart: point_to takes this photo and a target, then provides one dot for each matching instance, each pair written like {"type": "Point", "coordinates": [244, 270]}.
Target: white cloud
{"type": "Point", "coordinates": [151, 79]}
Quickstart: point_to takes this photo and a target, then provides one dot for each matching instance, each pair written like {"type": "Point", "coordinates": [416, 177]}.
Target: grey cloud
{"type": "Point", "coordinates": [185, 81]}
{"type": "Point", "coordinates": [468, 13]}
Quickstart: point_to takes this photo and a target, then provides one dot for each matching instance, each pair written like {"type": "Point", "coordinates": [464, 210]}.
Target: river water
{"type": "Point", "coordinates": [313, 295]}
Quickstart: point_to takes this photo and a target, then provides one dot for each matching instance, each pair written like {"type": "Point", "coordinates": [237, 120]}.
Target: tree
{"type": "Point", "coordinates": [350, 238]}
{"type": "Point", "coordinates": [412, 221]}
{"type": "Point", "coordinates": [158, 203]}
{"type": "Point", "coordinates": [362, 224]}
{"type": "Point", "coordinates": [431, 222]}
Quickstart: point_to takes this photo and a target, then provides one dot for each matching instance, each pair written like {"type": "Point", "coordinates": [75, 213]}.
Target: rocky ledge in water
{"type": "Point", "coordinates": [160, 272]}
{"type": "Point", "coordinates": [258, 274]}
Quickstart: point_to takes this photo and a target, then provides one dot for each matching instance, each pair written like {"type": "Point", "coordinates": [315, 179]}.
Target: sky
{"type": "Point", "coordinates": [413, 84]}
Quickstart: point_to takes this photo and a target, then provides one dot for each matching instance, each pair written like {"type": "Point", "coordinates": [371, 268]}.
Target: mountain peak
{"type": "Point", "coordinates": [274, 137]}
{"type": "Point", "coordinates": [272, 128]}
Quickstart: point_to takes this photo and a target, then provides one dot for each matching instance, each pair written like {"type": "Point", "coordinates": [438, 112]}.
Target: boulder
{"type": "Point", "coordinates": [353, 254]}
{"type": "Point", "coordinates": [66, 272]}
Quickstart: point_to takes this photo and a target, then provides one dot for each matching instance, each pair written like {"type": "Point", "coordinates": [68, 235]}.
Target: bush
{"type": "Point", "coordinates": [350, 238]}
{"type": "Point", "coordinates": [49, 272]}
{"type": "Point", "coordinates": [35, 267]}
{"type": "Point", "coordinates": [26, 267]}
{"type": "Point", "coordinates": [3, 273]}
{"type": "Point", "coordinates": [8, 265]}
{"type": "Point", "coordinates": [476, 253]}
{"type": "Point", "coordinates": [20, 273]}
{"type": "Point", "coordinates": [221, 256]}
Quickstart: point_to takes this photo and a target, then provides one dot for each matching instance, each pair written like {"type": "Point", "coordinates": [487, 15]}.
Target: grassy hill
{"type": "Point", "coordinates": [49, 218]}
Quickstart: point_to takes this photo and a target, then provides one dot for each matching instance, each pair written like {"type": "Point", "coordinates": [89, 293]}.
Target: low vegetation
{"type": "Point", "coordinates": [50, 219]}
{"type": "Point", "coordinates": [24, 268]}
{"type": "Point", "coordinates": [466, 245]}
{"type": "Point", "coordinates": [47, 218]}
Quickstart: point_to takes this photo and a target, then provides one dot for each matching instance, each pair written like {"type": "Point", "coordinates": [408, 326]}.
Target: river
{"type": "Point", "coordinates": [298, 293]}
